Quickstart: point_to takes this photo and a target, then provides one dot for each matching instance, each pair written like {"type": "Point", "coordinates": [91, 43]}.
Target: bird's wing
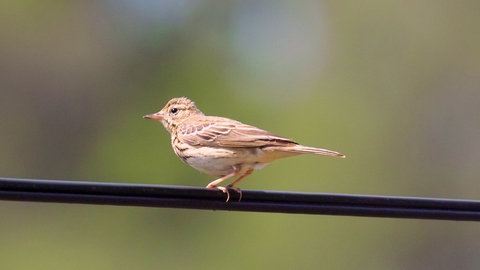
{"type": "Point", "coordinates": [223, 132]}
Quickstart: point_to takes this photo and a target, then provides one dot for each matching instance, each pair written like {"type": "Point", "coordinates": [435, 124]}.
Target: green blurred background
{"type": "Point", "coordinates": [394, 85]}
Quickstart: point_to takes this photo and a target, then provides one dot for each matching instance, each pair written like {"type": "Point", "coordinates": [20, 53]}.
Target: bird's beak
{"type": "Point", "coordinates": [155, 116]}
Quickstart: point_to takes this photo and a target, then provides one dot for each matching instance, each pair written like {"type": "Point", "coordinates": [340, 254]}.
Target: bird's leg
{"type": "Point", "coordinates": [214, 184]}
{"type": "Point", "coordinates": [236, 181]}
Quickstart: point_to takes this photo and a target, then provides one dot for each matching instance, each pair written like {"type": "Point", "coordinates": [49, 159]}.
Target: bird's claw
{"type": "Point", "coordinates": [239, 191]}
{"type": "Point", "coordinates": [224, 190]}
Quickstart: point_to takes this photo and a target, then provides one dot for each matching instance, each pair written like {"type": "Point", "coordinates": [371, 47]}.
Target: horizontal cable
{"type": "Point", "coordinates": [55, 191]}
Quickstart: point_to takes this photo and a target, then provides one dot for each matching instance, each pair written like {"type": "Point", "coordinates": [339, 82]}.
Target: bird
{"type": "Point", "coordinates": [223, 147]}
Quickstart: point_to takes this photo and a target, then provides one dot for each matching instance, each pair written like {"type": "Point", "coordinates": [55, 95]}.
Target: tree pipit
{"type": "Point", "coordinates": [224, 147]}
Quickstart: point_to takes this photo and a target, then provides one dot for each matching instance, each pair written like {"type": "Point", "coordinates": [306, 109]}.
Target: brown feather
{"type": "Point", "coordinates": [300, 149]}
{"type": "Point", "coordinates": [219, 131]}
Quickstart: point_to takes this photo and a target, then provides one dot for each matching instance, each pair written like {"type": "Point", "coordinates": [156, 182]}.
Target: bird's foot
{"type": "Point", "coordinates": [223, 189]}
{"type": "Point", "coordinates": [239, 191]}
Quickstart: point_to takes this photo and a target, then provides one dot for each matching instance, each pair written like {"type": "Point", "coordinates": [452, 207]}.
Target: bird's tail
{"type": "Point", "coordinates": [312, 150]}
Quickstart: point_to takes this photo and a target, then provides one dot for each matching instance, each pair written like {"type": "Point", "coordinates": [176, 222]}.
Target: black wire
{"type": "Point", "coordinates": [54, 191]}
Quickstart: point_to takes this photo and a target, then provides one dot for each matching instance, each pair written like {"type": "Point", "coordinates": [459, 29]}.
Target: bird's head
{"type": "Point", "coordinates": [176, 111]}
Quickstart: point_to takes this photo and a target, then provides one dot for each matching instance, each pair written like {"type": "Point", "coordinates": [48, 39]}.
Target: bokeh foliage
{"type": "Point", "coordinates": [394, 85]}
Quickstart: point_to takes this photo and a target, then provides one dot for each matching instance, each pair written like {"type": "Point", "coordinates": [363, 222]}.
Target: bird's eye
{"type": "Point", "coordinates": [174, 110]}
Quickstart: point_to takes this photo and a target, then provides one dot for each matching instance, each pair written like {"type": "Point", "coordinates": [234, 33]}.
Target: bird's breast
{"type": "Point", "coordinates": [220, 161]}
